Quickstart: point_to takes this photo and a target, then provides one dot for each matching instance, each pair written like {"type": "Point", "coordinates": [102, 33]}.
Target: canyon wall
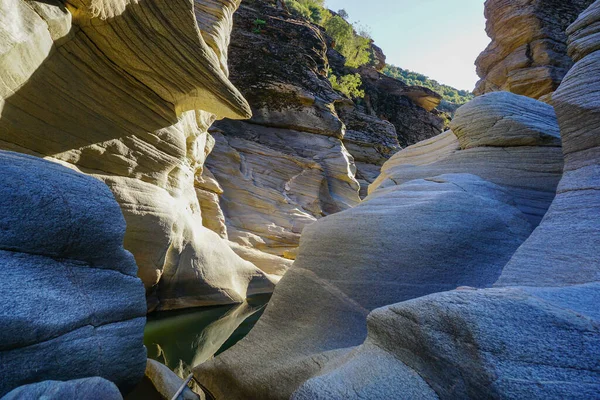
{"type": "Point", "coordinates": [126, 91]}
{"type": "Point", "coordinates": [528, 52]}
{"type": "Point", "coordinates": [450, 280]}
{"type": "Point", "coordinates": [307, 149]}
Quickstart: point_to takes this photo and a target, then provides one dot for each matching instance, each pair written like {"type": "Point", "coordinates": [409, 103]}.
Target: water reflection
{"type": "Point", "coordinates": [186, 338]}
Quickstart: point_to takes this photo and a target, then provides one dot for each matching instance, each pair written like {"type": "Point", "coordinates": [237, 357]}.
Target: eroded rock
{"type": "Point", "coordinates": [528, 52]}
{"type": "Point", "coordinates": [117, 90]}
{"type": "Point", "coordinates": [72, 305]}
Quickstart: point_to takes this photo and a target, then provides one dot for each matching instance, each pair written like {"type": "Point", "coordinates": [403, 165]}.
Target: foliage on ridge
{"type": "Point", "coordinates": [448, 93]}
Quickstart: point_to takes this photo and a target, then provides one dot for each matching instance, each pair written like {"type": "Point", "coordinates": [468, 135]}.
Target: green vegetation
{"type": "Point", "coordinates": [259, 24]}
{"type": "Point", "coordinates": [348, 84]}
{"type": "Point", "coordinates": [448, 93]}
{"type": "Point", "coordinates": [355, 47]}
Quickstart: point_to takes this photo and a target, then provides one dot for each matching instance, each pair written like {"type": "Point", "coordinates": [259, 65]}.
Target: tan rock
{"type": "Point", "coordinates": [127, 96]}
{"type": "Point", "coordinates": [528, 52]}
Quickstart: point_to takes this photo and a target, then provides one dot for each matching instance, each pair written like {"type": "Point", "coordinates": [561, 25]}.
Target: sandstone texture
{"type": "Point", "coordinates": [307, 150]}
{"type": "Point", "coordinates": [446, 213]}
{"type": "Point", "coordinates": [84, 389]}
{"type": "Point", "coordinates": [72, 305]}
{"type": "Point", "coordinates": [287, 166]}
{"type": "Point", "coordinates": [126, 91]}
{"type": "Point", "coordinates": [528, 51]}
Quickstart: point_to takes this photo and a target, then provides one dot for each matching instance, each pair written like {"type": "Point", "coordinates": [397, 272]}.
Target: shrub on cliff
{"type": "Point", "coordinates": [347, 84]}
{"type": "Point", "coordinates": [356, 48]}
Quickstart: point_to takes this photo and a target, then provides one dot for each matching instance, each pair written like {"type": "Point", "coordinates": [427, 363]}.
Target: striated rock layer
{"type": "Point", "coordinates": [125, 91]}
{"type": "Point", "coordinates": [528, 52]}
{"type": "Point", "coordinates": [446, 213]}
{"type": "Point", "coordinates": [287, 166]}
{"type": "Point", "coordinates": [72, 306]}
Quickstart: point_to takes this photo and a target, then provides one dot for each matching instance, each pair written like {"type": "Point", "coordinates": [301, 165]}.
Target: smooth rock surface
{"type": "Point", "coordinates": [72, 305]}
{"type": "Point", "coordinates": [569, 236]}
{"type": "Point", "coordinates": [440, 217]}
{"type": "Point", "coordinates": [547, 345]}
{"type": "Point", "coordinates": [355, 261]}
{"type": "Point", "coordinates": [504, 138]}
{"type": "Point", "coordinates": [84, 389]}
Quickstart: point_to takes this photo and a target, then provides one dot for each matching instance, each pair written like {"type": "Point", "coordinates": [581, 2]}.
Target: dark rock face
{"type": "Point", "coordinates": [528, 52]}
{"type": "Point", "coordinates": [72, 304]}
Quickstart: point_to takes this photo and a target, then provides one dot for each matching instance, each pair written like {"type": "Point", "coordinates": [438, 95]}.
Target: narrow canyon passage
{"type": "Point", "coordinates": [250, 199]}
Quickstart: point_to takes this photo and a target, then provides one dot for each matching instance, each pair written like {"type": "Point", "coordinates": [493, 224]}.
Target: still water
{"type": "Point", "coordinates": [184, 339]}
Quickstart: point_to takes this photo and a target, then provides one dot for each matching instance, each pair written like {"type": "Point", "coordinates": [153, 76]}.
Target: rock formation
{"type": "Point", "coordinates": [72, 305]}
{"type": "Point", "coordinates": [84, 389]}
{"type": "Point", "coordinates": [535, 334]}
{"type": "Point", "coordinates": [125, 91]}
{"type": "Point", "coordinates": [297, 158]}
{"type": "Point", "coordinates": [528, 52]}
{"type": "Point", "coordinates": [441, 216]}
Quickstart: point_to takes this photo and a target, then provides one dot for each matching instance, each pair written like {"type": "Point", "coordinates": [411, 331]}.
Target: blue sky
{"type": "Point", "coordinates": [438, 38]}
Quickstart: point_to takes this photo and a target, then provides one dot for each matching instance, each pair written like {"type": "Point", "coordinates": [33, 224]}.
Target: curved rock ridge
{"type": "Point", "coordinates": [72, 305]}
{"type": "Point", "coordinates": [569, 234]}
{"type": "Point", "coordinates": [104, 86]}
{"type": "Point", "coordinates": [504, 120]}
{"type": "Point", "coordinates": [449, 344]}
{"type": "Point", "coordinates": [507, 139]}
{"type": "Point", "coordinates": [528, 52]}
{"type": "Point", "coordinates": [439, 220]}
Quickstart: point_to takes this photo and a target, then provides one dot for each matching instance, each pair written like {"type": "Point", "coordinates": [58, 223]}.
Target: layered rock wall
{"type": "Point", "coordinates": [528, 52]}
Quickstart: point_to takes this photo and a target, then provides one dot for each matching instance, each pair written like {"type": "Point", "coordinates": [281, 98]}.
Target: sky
{"type": "Point", "coordinates": [437, 38]}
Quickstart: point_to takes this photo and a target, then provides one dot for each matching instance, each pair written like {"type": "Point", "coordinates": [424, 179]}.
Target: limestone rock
{"type": "Point", "coordinates": [408, 108]}
{"type": "Point", "coordinates": [84, 389]}
{"type": "Point", "coordinates": [72, 305]}
{"type": "Point", "coordinates": [570, 234]}
{"type": "Point", "coordinates": [116, 90]}
{"type": "Point", "coordinates": [370, 140]}
{"type": "Point", "coordinates": [318, 313]}
{"type": "Point", "coordinates": [504, 138]}
{"type": "Point", "coordinates": [502, 119]}
{"type": "Point", "coordinates": [528, 52]}
{"type": "Point", "coordinates": [440, 217]}
{"type": "Point", "coordinates": [286, 166]}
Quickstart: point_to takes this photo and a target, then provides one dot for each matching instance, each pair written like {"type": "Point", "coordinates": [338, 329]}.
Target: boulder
{"type": "Point", "coordinates": [72, 305]}
{"type": "Point", "coordinates": [160, 383]}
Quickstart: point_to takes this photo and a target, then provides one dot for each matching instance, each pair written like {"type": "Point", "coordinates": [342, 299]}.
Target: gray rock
{"type": "Point", "coordinates": [569, 236]}
{"type": "Point", "coordinates": [72, 305]}
{"type": "Point", "coordinates": [503, 119]}
{"type": "Point", "coordinates": [82, 389]}
{"type": "Point", "coordinates": [421, 237]}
